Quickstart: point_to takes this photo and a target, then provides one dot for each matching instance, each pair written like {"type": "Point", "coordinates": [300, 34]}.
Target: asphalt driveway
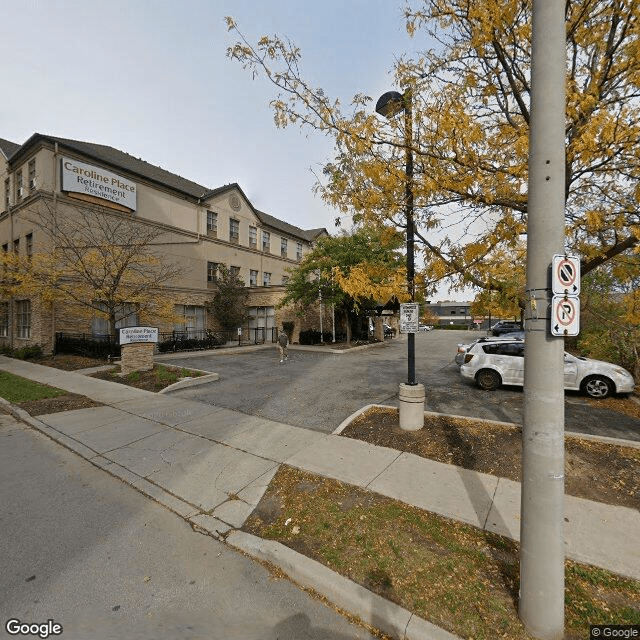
{"type": "Point", "coordinates": [318, 390]}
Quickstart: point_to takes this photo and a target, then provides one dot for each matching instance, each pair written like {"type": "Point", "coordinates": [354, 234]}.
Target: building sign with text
{"type": "Point", "coordinates": [79, 177]}
{"type": "Point", "coordinates": [130, 335]}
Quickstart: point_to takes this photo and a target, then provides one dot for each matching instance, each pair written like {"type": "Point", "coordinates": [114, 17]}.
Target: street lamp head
{"type": "Point", "coordinates": [390, 104]}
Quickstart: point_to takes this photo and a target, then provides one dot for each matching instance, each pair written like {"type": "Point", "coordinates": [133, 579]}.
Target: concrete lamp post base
{"type": "Point", "coordinates": [411, 406]}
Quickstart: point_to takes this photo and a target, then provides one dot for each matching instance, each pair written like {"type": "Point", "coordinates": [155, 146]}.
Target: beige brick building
{"type": "Point", "coordinates": [204, 228]}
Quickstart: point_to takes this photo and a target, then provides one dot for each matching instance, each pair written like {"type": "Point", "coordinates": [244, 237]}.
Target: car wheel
{"type": "Point", "coordinates": [597, 386]}
{"type": "Point", "coordinates": [488, 379]}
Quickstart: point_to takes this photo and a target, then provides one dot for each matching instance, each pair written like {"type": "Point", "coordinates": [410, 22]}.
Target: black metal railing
{"type": "Point", "coordinates": [194, 339]}
{"type": "Point", "coordinates": [105, 346]}
{"type": "Point", "coordinates": [87, 344]}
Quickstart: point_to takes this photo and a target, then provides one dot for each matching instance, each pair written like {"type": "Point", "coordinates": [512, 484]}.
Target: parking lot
{"type": "Point", "coordinates": [317, 389]}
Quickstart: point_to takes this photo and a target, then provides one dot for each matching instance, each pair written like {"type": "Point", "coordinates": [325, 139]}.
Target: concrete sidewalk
{"type": "Point", "coordinates": [211, 466]}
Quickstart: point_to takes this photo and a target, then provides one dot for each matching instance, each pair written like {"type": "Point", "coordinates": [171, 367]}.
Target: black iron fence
{"type": "Point", "coordinates": [105, 346]}
{"type": "Point", "coordinates": [87, 344]}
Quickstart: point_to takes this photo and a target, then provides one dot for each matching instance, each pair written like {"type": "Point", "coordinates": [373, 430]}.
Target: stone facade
{"type": "Point", "coordinates": [136, 357]}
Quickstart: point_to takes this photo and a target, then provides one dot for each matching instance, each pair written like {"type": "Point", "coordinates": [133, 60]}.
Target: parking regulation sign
{"type": "Point", "coordinates": [565, 316]}
{"type": "Point", "coordinates": [565, 275]}
{"type": "Point", "coordinates": [409, 317]}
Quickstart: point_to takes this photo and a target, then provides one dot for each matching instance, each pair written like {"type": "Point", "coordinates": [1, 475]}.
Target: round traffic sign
{"type": "Point", "coordinates": [566, 312]}
{"type": "Point", "coordinates": [566, 272]}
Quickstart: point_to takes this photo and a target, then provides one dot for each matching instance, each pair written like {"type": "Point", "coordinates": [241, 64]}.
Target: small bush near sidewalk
{"type": "Point", "coordinates": [16, 389]}
{"type": "Point", "coordinates": [456, 576]}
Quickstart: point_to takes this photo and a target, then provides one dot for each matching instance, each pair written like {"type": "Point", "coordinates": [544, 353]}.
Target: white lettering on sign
{"type": "Point", "coordinates": [79, 177]}
{"type": "Point", "coordinates": [129, 335]}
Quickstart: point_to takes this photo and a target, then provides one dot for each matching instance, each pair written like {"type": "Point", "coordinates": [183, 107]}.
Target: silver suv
{"type": "Point", "coordinates": [492, 364]}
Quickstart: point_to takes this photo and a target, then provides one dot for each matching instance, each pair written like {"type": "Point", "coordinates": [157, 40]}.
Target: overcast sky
{"type": "Point", "coordinates": [152, 78]}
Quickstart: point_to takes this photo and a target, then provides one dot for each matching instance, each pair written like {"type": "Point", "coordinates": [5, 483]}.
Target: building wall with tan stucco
{"type": "Point", "coordinates": [177, 207]}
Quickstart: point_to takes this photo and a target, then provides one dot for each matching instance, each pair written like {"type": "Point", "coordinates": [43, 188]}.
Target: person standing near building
{"type": "Point", "coordinates": [283, 343]}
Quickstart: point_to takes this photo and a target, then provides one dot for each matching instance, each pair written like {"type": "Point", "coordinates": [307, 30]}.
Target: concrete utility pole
{"type": "Point", "coordinates": [542, 511]}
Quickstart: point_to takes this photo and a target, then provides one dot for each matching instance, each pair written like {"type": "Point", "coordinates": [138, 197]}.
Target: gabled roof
{"type": "Point", "coordinates": [285, 227]}
{"type": "Point", "coordinates": [117, 159]}
{"type": "Point", "coordinates": [121, 160]}
{"type": "Point", "coordinates": [8, 148]}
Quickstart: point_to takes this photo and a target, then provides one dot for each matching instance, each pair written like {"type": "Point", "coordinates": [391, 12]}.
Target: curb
{"type": "Point", "coordinates": [346, 595]}
{"type": "Point", "coordinates": [367, 606]}
{"type": "Point", "coordinates": [192, 382]}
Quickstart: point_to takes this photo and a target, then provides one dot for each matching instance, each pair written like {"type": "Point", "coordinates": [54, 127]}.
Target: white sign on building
{"type": "Point", "coordinates": [129, 335]}
{"type": "Point", "coordinates": [79, 177]}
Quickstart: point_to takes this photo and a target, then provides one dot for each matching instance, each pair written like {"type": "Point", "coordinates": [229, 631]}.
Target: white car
{"type": "Point", "coordinates": [425, 327]}
{"type": "Point", "coordinates": [464, 348]}
{"type": "Point", "coordinates": [491, 364]}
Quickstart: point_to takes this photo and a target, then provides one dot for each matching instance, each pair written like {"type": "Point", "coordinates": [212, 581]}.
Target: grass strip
{"type": "Point", "coordinates": [456, 576]}
{"type": "Point", "coordinates": [17, 389]}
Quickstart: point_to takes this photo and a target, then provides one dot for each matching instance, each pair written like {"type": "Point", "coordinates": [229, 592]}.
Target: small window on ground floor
{"type": "Point", "coordinates": [23, 318]}
{"type": "Point", "coordinates": [4, 319]}
{"type": "Point", "coordinates": [126, 316]}
{"type": "Point", "coordinates": [194, 319]}
{"type": "Point", "coordinates": [262, 317]}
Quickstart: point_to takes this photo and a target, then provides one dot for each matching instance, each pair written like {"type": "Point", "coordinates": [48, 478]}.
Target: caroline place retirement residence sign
{"type": "Point", "coordinates": [79, 177]}
{"type": "Point", "coordinates": [131, 335]}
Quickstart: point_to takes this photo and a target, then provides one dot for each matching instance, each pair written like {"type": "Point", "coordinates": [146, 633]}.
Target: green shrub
{"type": "Point", "coordinates": [30, 352]}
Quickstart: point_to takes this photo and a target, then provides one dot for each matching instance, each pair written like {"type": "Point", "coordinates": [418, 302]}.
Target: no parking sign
{"type": "Point", "coordinates": [565, 304]}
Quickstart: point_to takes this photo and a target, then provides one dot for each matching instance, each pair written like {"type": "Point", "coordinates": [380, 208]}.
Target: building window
{"type": "Point", "coordinates": [32, 175]}
{"type": "Point", "coordinates": [212, 223]}
{"type": "Point", "coordinates": [266, 241]}
{"type": "Point", "coordinates": [266, 279]}
{"type": "Point", "coordinates": [7, 191]}
{"type": "Point", "coordinates": [19, 186]}
{"type": "Point", "coordinates": [285, 279]}
{"type": "Point", "coordinates": [253, 237]}
{"type": "Point", "coordinates": [16, 245]}
{"type": "Point", "coordinates": [212, 271]}
{"type": "Point", "coordinates": [4, 319]}
{"type": "Point", "coordinates": [5, 247]}
{"type": "Point", "coordinates": [283, 247]}
{"type": "Point", "coordinates": [234, 230]}
{"type": "Point", "coordinates": [29, 244]}
{"type": "Point", "coordinates": [261, 318]}
{"type": "Point", "coordinates": [194, 320]}
{"type": "Point", "coordinates": [126, 316]}
{"type": "Point", "coordinates": [23, 318]}
{"type": "Point", "coordinates": [234, 272]}
{"type": "Point", "coordinates": [298, 250]}
{"type": "Point", "coordinates": [253, 278]}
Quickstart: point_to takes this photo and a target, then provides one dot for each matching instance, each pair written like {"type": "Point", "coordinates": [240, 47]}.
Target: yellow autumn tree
{"type": "Point", "coordinates": [470, 102]}
{"type": "Point", "coordinates": [93, 265]}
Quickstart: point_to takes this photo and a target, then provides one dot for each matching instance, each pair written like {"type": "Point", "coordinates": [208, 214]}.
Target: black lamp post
{"type": "Point", "coordinates": [389, 105]}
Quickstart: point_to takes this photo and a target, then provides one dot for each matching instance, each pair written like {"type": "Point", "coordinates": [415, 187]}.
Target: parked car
{"type": "Point", "coordinates": [464, 348]}
{"type": "Point", "coordinates": [505, 326]}
{"type": "Point", "coordinates": [494, 363]}
{"type": "Point", "coordinates": [425, 327]}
